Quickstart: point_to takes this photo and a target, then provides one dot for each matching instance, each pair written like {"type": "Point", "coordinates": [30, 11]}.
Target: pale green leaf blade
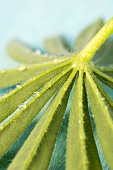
{"type": "Point", "coordinates": [106, 57]}
{"type": "Point", "coordinates": [102, 118]}
{"type": "Point", "coordinates": [104, 94]}
{"type": "Point", "coordinates": [81, 148]}
{"type": "Point", "coordinates": [56, 45]}
{"type": "Point", "coordinates": [40, 151]}
{"type": "Point", "coordinates": [87, 35]}
{"type": "Point", "coordinates": [24, 91]}
{"type": "Point", "coordinates": [13, 127]}
{"type": "Point", "coordinates": [106, 70]}
{"type": "Point", "coordinates": [23, 54]}
{"type": "Point", "coordinates": [103, 77]}
{"type": "Point", "coordinates": [24, 72]}
{"type": "Point", "coordinates": [59, 154]}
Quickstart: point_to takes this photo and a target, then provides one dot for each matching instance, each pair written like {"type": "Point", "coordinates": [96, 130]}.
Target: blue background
{"type": "Point", "coordinates": [33, 20]}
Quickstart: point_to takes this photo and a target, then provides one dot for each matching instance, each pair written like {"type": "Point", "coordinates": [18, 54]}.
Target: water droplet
{"type": "Point", "coordinates": [60, 103]}
{"type": "Point", "coordinates": [22, 67]}
{"type": "Point", "coordinates": [18, 86]}
{"type": "Point", "coordinates": [1, 127]}
{"type": "Point", "coordinates": [81, 137]}
{"type": "Point", "coordinates": [22, 106]}
{"type": "Point", "coordinates": [55, 60]}
{"type": "Point", "coordinates": [1, 97]}
{"type": "Point", "coordinates": [79, 121]}
{"type": "Point", "coordinates": [74, 65]}
{"type": "Point", "coordinates": [48, 84]}
{"type": "Point", "coordinates": [80, 104]}
{"type": "Point", "coordinates": [38, 52]}
{"type": "Point", "coordinates": [63, 72]}
{"type": "Point", "coordinates": [65, 89]}
{"type": "Point", "coordinates": [92, 115]}
{"type": "Point", "coordinates": [37, 93]}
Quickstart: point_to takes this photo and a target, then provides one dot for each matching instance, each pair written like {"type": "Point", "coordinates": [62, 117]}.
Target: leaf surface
{"type": "Point", "coordinates": [23, 54]}
{"type": "Point", "coordinates": [102, 118]}
{"type": "Point", "coordinates": [40, 151]}
{"type": "Point", "coordinates": [87, 35]}
{"type": "Point", "coordinates": [81, 148]}
{"type": "Point", "coordinates": [24, 72]}
{"type": "Point", "coordinates": [13, 127]}
{"type": "Point", "coordinates": [104, 78]}
{"type": "Point", "coordinates": [56, 46]}
{"type": "Point", "coordinates": [24, 91]}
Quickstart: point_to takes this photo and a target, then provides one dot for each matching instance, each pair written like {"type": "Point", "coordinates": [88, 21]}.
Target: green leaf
{"type": "Point", "coordinates": [56, 46]}
{"type": "Point", "coordinates": [103, 92]}
{"type": "Point", "coordinates": [59, 153]}
{"type": "Point", "coordinates": [87, 35]}
{"type": "Point", "coordinates": [103, 77]}
{"type": "Point", "coordinates": [19, 94]}
{"type": "Point", "coordinates": [105, 58]}
{"type": "Point", "coordinates": [23, 54]}
{"type": "Point", "coordinates": [40, 151]}
{"type": "Point", "coordinates": [24, 72]}
{"type": "Point", "coordinates": [106, 70]}
{"type": "Point", "coordinates": [13, 127]}
{"type": "Point", "coordinates": [102, 118]}
{"type": "Point", "coordinates": [81, 148]}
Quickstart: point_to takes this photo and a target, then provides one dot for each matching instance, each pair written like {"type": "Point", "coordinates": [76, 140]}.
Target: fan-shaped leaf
{"type": "Point", "coordinates": [24, 54]}
{"type": "Point", "coordinates": [46, 128]}
{"type": "Point", "coordinates": [19, 94]}
{"type": "Point", "coordinates": [13, 127]}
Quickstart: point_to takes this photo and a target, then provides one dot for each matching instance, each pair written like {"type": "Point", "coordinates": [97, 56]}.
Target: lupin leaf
{"type": "Point", "coordinates": [57, 46]}
{"type": "Point", "coordinates": [106, 56]}
{"type": "Point", "coordinates": [23, 54]}
{"type": "Point", "coordinates": [24, 72]}
{"type": "Point", "coordinates": [40, 152]}
{"type": "Point", "coordinates": [19, 94]}
{"type": "Point", "coordinates": [11, 129]}
{"type": "Point", "coordinates": [104, 78]}
{"type": "Point", "coordinates": [87, 35]}
{"type": "Point", "coordinates": [36, 85]}
{"type": "Point", "coordinates": [103, 92]}
{"type": "Point", "coordinates": [103, 120]}
{"type": "Point", "coordinates": [81, 153]}
{"type": "Point", "coordinates": [106, 70]}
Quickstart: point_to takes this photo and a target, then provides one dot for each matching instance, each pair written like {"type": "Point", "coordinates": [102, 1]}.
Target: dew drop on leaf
{"type": "Point", "coordinates": [65, 89]}
{"type": "Point", "coordinates": [79, 121]}
{"type": "Point", "coordinates": [21, 67]}
{"type": "Point", "coordinates": [37, 93]}
{"type": "Point", "coordinates": [74, 65]}
{"type": "Point", "coordinates": [18, 86]}
{"type": "Point", "coordinates": [1, 127]}
{"type": "Point", "coordinates": [55, 60]}
{"type": "Point", "coordinates": [22, 106]}
{"type": "Point", "coordinates": [38, 52]}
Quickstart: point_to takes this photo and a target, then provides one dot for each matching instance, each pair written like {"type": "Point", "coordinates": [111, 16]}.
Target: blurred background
{"type": "Point", "coordinates": [31, 21]}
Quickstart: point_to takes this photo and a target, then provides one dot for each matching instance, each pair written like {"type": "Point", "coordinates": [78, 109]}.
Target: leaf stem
{"type": "Point", "coordinates": [88, 52]}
